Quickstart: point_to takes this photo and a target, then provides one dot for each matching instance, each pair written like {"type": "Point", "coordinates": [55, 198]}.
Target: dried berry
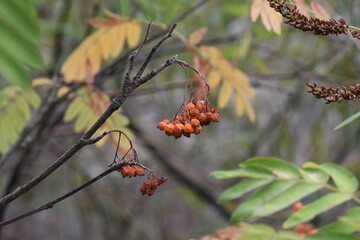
{"type": "Point", "coordinates": [194, 122]}
{"type": "Point", "coordinates": [188, 128]}
{"type": "Point", "coordinates": [150, 186]}
{"type": "Point", "coordinates": [162, 125]}
{"type": "Point", "coordinates": [190, 106]}
{"type": "Point", "coordinates": [131, 171]}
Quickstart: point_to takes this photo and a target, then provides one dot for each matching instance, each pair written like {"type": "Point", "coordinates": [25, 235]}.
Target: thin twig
{"type": "Point", "coordinates": [153, 50]}
{"type": "Point", "coordinates": [63, 197]}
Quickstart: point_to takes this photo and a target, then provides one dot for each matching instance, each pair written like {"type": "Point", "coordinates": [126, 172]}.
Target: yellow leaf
{"type": "Point", "coordinates": [241, 83]}
{"type": "Point", "coordinates": [225, 94]}
{"type": "Point", "coordinates": [24, 107]}
{"type": "Point", "coordinates": [41, 81]}
{"type": "Point", "coordinates": [222, 71]}
{"type": "Point", "coordinates": [32, 97]}
{"type": "Point", "coordinates": [133, 33]}
{"type": "Point", "coordinates": [74, 109]}
{"type": "Point", "coordinates": [239, 105]}
{"type": "Point", "coordinates": [107, 42]}
{"type": "Point", "coordinates": [88, 107]}
{"type": "Point", "coordinates": [10, 134]}
{"type": "Point", "coordinates": [211, 53]}
{"type": "Point", "coordinates": [197, 36]}
{"type": "Point", "coordinates": [249, 111]}
{"type": "Point", "coordinates": [214, 79]}
{"type": "Point", "coordinates": [82, 121]}
{"type": "Point", "coordinates": [117, 39]}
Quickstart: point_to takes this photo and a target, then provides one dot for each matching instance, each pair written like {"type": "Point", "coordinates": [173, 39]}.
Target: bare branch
{"type": "Point", "coordinates": [63, 197]}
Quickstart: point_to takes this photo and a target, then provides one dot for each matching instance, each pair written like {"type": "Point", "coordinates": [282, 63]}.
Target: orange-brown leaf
{"type": "Point", "coordinates": [269, 17]}
{"type": "Point", "coordinates": [100, 22]}
{"type": "Point", "coordinates": [319, 10]}
{"type": "Point", "coordinates": [302, 7]}
{"type": "Point", "coordinates": [197, 36]}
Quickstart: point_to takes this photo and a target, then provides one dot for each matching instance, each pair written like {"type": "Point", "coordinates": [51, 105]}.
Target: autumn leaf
{"type": "Point", "coordinates": [87, 106]}
{"type": "Point", "coordinates": [319, 10]}
{"type": "Point", "coordinates": [269, 18]}
{"type": "Point", "coordinates": [302, 7]}
{"type": "Point", "coordinates": [197, 36]}
{"type": "Point", "coordinates": [105, 43]}
{"type": "Point", "coordinates": [221, 74]}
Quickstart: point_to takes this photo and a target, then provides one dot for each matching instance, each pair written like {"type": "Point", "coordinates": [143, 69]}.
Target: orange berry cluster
{"type": "Point", "coordinates": [150, 186]}
{"type": "Point", "coordinates": [305, 229]}
{"type": "Point", "coordinates": [131, 171]}
{"type": "Point", "coordinates": [191, 121]}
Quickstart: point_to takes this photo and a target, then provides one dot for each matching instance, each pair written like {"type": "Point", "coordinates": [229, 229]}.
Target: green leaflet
{"type": "Point", "coordinates": [11, 69]}
{"type": "Point", "coordinates": [16, 47]}
{"type": "Point", "coordinates": [264, 232]}
{"type": "Point", "coordinates": [82, 120]}
{"type": "Point", "coordinates": [315, 208]}
{"type": "Point", "coordinates": [147, 9]}
{"type": "Point", "coordinates": [17, 16]}
{"type": "Point", "coordinates": [278, 167]}
{"type": "Point", "coordinates": [253, 171]}
{"type": "Point", "coordinates": [256, 231]}
{"type": "Point", "coordinates": [332, 236]}
{"type": "Point", "coordinates": [312, 172]}
{"type": "Point", "coordinates": [346, 224]}
{"type": "Point", "coordinates": [287, 198]}
{"type": "Point", "coordinates": [245, 209]}
{"type": "Point", "coordinates": [343, 179]}
{"type": "Point", "coordinates": [74, 109]}
{"type": "Point", "coordinates": [242, 188]}
{"type": "Point", "coordinates": [348, 121]}
{"type": "Point", "coordinates": [15, 111]}
{"type": "Point", "coordinates": [124, 7]}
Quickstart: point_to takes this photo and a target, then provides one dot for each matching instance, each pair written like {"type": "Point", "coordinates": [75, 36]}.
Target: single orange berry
{"type": "Point", "coordinates": [297, 206]}
{"type": "Point", "coordinates": [186, 117]}
{"type": "Point", "coordinates": [216, 117]}
{"type": "Point", "coordinates": [201, 117]}
{"type": "Point", "coordinates": [209, 116]}
{"type": "Point", "coordinates": [190, 106]}
{"type": "Point", "coordinates": [169, 129]}
{"type": "Point", "coordinates": [162, 125]}
{"type": "Point", "coordinates": [178, 128]}
{"type": "Point", "coordinates": [177, 134]}
{"type": "Point", "coordinates": [180, 118]}
{"type": "Point", "coordinates": [199, 105]}
{"type": "Point", "coordinates": [166, 121]}
{"type": "Point", "coordinates": [194, 112]}
{"type": "Point", "coordinates": [214, 110]}
{"type": "Point", "coordinates": [194, 122]}
{"type": "Point", "coordinates": [188, 128]}
{"type": "Point", "coordinates": [197, 129]}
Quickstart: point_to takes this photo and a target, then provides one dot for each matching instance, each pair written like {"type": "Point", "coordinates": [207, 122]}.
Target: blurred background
{"type": "Point", "coordinates": [290, 123]}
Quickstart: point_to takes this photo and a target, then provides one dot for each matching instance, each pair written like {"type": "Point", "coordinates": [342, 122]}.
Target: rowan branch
{"type": "Point", "coordinates": [63, 197]}
{"type": "Point", "coordinates": [128, 88]}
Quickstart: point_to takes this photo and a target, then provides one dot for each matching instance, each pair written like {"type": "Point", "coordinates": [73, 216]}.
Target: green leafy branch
{"type": "Point", "coordinates": [19, 32]}
{"type": "Point", "coordinates": [15, 112]}
{"type": "Point", "coordinates": [280, 184]}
